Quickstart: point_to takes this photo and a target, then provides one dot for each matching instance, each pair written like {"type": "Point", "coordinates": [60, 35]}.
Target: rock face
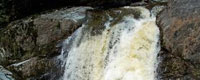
{"type": "Point", "coordinates": [13, 9]}
{"type": "Point", "coordinates": [179, 24]}
{"type": "Point", "coordinates": [37, 39]}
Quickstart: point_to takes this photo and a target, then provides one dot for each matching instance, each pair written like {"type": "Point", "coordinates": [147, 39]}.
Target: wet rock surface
{"type": "Point", "coordinates": [5, 74]}
{"type": "Point", "coordinates": [28, 47]}
{"type": "Point", "coordinates": [179, 24]}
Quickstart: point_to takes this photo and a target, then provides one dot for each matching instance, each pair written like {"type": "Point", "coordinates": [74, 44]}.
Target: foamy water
{"type": "Point", "coordinates": [124, 51]}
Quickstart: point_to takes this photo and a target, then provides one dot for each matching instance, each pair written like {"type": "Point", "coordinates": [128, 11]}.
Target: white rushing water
{"type": "Point", "coordinates": [124, 51]}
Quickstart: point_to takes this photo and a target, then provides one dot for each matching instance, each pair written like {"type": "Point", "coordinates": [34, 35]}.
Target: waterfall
{"type": "Point", "coordinates": [122, 48]}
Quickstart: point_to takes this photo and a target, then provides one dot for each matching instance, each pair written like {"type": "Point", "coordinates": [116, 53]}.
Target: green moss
{"type": "Point", "coordinates": [124, 12]}
{"type": "Point", "coordinates": [98, 18]}
{"type": "Point", "coordinates": [96, 21]}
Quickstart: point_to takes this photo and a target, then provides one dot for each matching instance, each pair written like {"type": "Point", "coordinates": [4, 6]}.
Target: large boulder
{"type": "Point", "coordinates": [180, 27]}
{"type": "Point", "coordinates": [34, 41]}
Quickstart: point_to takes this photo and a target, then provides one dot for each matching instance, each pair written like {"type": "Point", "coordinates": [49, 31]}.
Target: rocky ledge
{"type": "Point", "coordinates": [13, 9]}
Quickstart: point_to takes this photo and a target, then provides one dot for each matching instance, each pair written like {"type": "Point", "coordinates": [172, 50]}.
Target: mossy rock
{"type": "Point", "coordinates": [97, 18]}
